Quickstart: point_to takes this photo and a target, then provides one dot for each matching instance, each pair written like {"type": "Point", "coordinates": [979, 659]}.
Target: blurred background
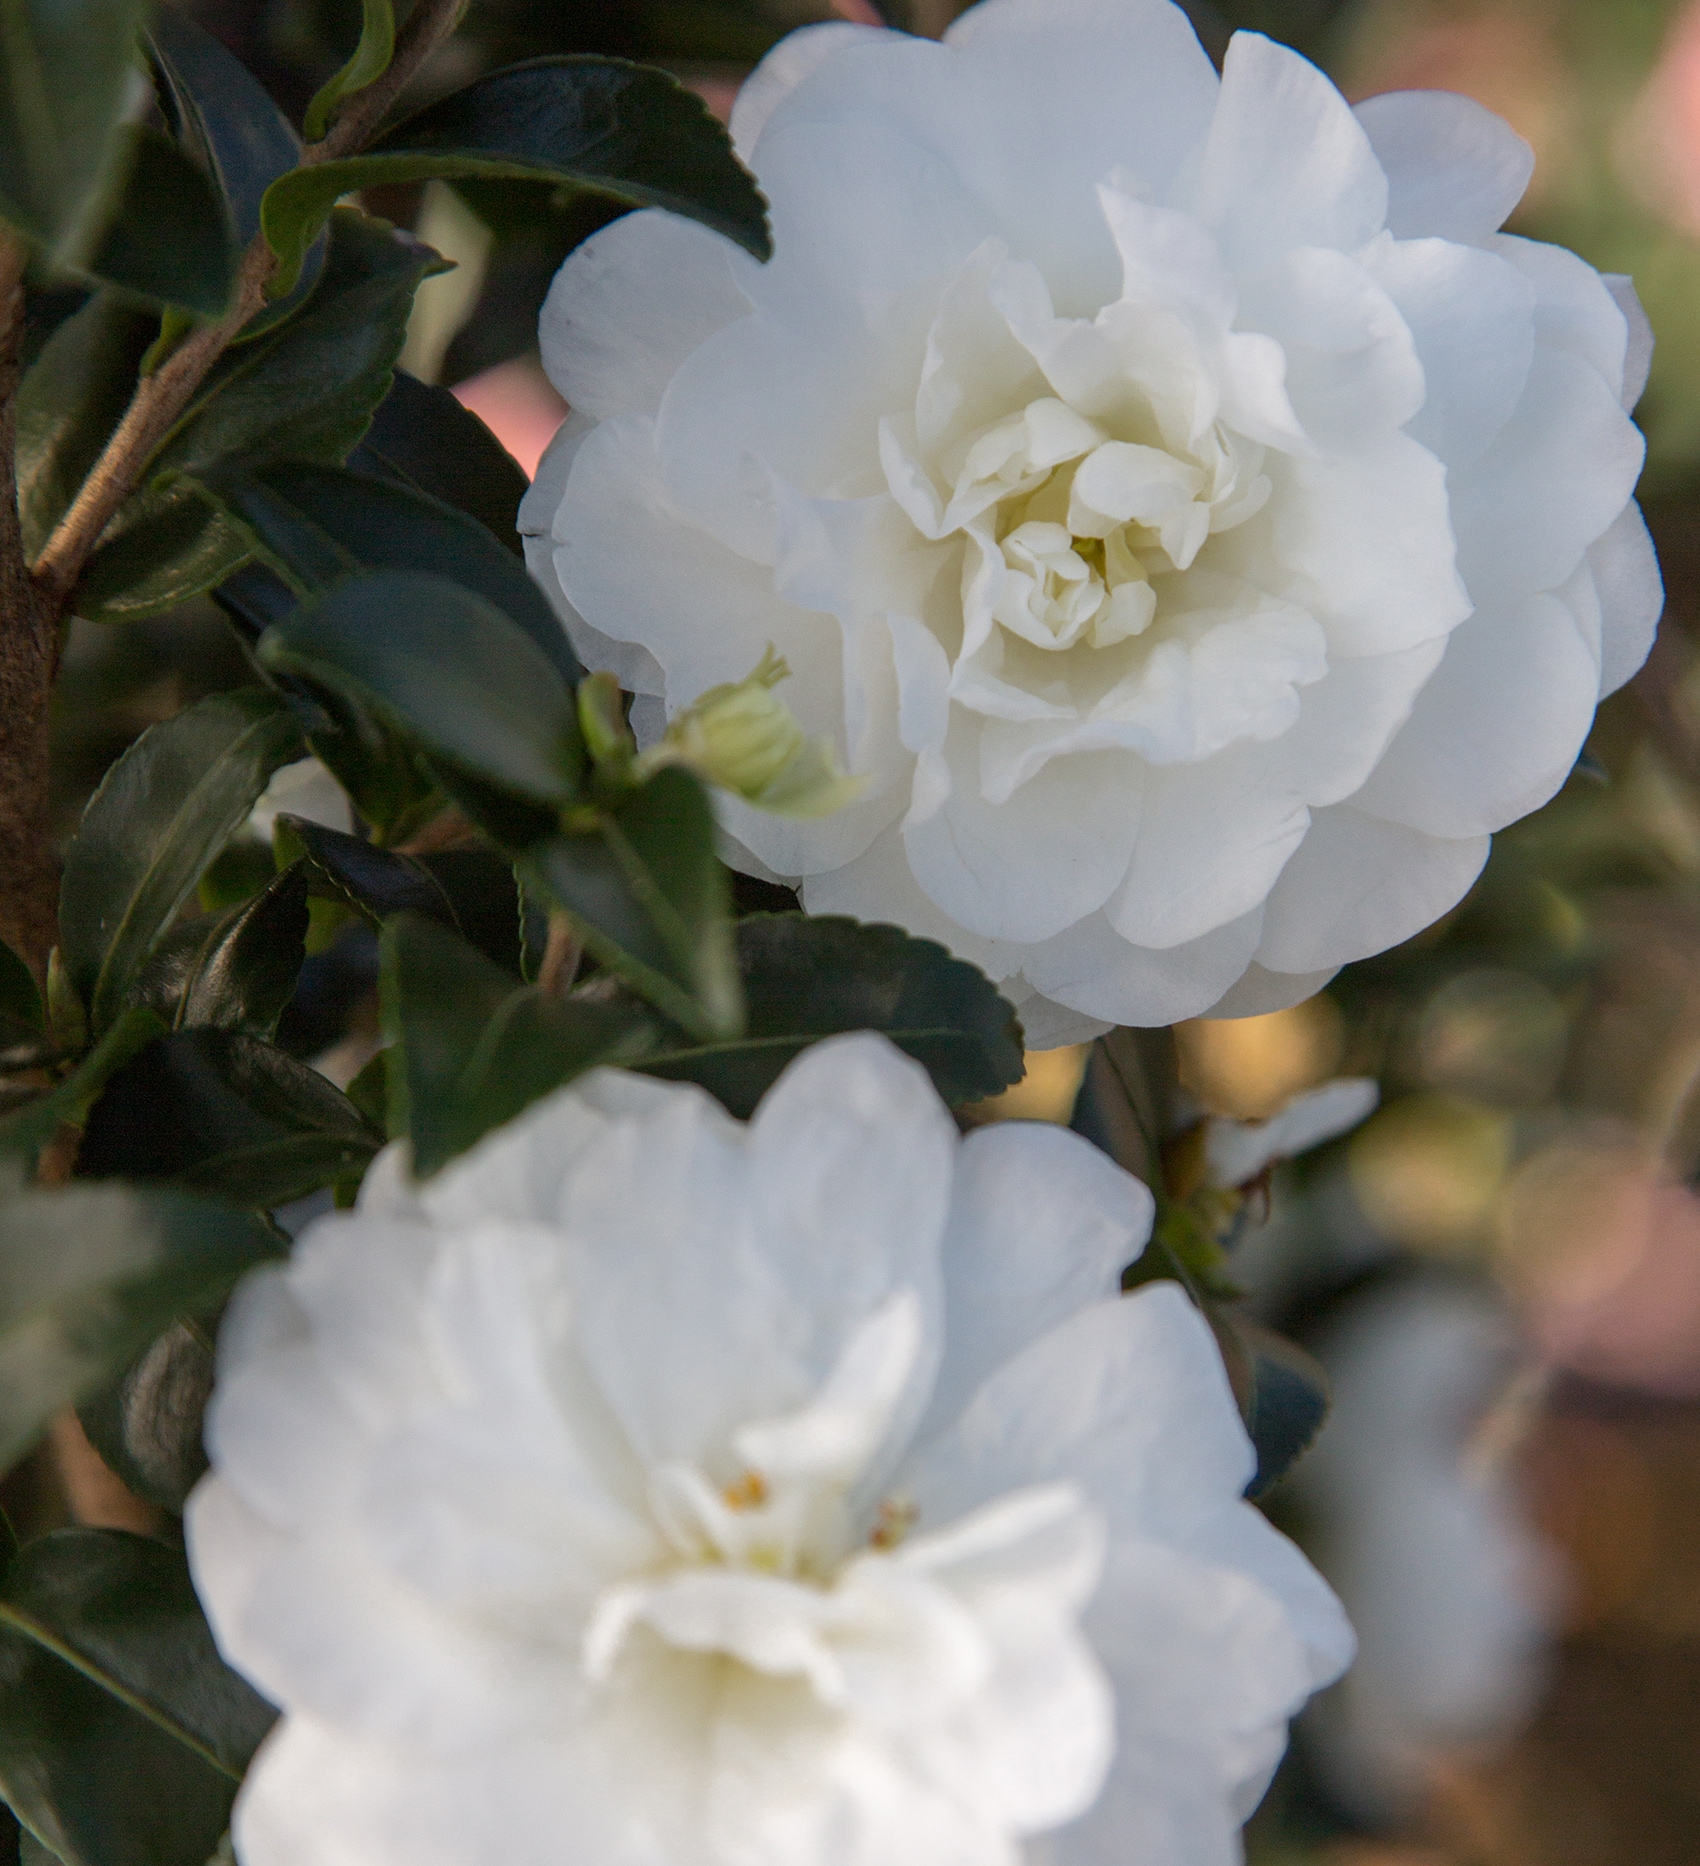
{"type": "Point", "coordinates": [1500, 1267]}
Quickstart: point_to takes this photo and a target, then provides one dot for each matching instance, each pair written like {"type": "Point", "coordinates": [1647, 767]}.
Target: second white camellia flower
{"type": "Point", "coordinates": [1197, 525]}
{"type": "Point", "coordinates": [653, 1490]}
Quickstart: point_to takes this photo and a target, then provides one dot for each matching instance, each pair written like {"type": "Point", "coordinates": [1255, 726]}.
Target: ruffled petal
{"type": "Point", "coordinates": [1632, 596]}
{"type": "Point", "coordinates": [1359, 885]}
{"type": "Point", "coordinates": [1454, 170]}
{"type": "Point", "coordinates": [1091, 968]}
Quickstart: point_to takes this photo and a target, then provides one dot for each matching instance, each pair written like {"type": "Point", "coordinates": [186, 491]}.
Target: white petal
{"type": "Point", "coordinates": [1576, 310]}
{"type": "Point", "coordinates": [797, 56]}
{"type": "Point", "coordinates": [1041, 1224]}
{"type": "Point", "coordinates": [1238, 1151]}
{"type": "Point", "coordinates": [1472, 317]}
{"type": "Point", "coordinates": [1026, 868]}
{"type": "Point", "coordinates": [1212, 840]}
{"type": "Point", "coordinates": [631, 304]}
{"type": "Point", "coordinates": [1560, 472]}
{"type": "Point", "coordinates": [1638, 357]}
{"type": "Point", "coordinates": [1286, 163]}
{"type": "Point", "coordinates": [1498, 727]}
{"type": "Point", "coordinates": [1260, 991]}
{"type": "Point", "coordinates": [1352, 368]}
{"type": "Point", "coordinates": [1127, 1399]}
{"type": "Point", "coordinates": [1369, 530]}
{"type": "Point", "coordinates": [1359, 885]}
{"type": "Point", "coordinates": [1454, 169]}
{"type": "Point", "coordinates": [1091, 968]}
{"type": "Point", "coordinates": [1632, 596]}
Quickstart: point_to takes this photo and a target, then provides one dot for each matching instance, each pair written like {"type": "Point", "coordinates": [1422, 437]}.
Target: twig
{"type": "Point", "coordinates": [160, 398]}
{"type": "Point", "coordinates": [562, 952]}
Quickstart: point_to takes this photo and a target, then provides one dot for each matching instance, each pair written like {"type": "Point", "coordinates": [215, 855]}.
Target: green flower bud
{"type": "Point", "coordinates": [742, 738]}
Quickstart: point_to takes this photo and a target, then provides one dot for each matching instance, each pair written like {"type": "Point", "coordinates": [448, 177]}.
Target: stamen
{"type": "Point", "coordinates": [749, 1493]}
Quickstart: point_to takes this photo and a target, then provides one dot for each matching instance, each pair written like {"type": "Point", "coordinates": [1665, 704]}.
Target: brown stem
{"type": "Point", "coordinates": [160, 398]}
{"type": "Point", "coordinates": [561, 955]}
{"type": "Point", "coordinates": [29, 876]}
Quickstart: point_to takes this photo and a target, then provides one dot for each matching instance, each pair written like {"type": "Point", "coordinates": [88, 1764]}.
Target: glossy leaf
{"type": "Point", "coordinates": [469, 1049]}
{"type": "Point", "coordinates": [123, 1734]}
{"type": "Point", "coordinates": [66, 77]}
{"type": "Point", "coordinates": [90, 1275]}
{"type": "Point", "coordinates": [147, 1423]}
{"type": "Point", "coordinates": [315, 524]}
{"type": "Point", "coordinates": [423, 436]}
{"type": "Point", "coordinates": [161, 814]}
{"type": "Point", "coordinates": [599, 125]}
{"type": "Point", "coordinates": [167, 238]}
{"type": "Point", "coordinates": [26, 1130]}
{"type": "Point", "coordinates": [649, 898]}
{"type": "Point", "coordinates": [219, 1112]}
{"type": "Point", "coordinates": [471, 891]}
{"type": "Point", "coordinates": [235, 970]}
{"type": "Point", "coordinates": [450, 667]}
{"type": "Point", "coordinates": [224, 118]}
{"type": "Point", "coordinates": [810, 978]}
{"type": "Point", "coordinates": [21, 1013]}
{"type": "Point", "coordinates": [370, 61]}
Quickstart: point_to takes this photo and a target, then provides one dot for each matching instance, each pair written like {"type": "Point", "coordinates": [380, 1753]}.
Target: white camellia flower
{"type": "Point", "coordinates": [649, 1489]}
{"type": "Point", "coordinates": [1196, 523]}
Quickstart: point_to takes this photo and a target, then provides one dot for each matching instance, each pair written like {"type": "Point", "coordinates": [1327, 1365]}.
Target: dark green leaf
{"type": "Point", "coordinates": [90, 1275]}
{"type": "Point", "coordinates": [809, 978]}
{"type": "Point", "coordinates": [26, 1130]}
{"type": "Point", "coordinates": [649, 898]}
{"type": "Point", "coordinates": [224, 118]}
{"type": "Point", "coordinates": [65, 76]}
{"type": "Point", "coordinates": [20, 999]}
{"type": "Point", "coordinates": [600, 125]}
{"type": "Point", "coordinates": [469, 890]}
{"type": "Point", "coordinates": [306, 387]}
{"type": "Point", "coordinates": [167, 238]}
{"type": "Point", "coordinates": [216, 1111]}
{"type": "Point", "coordinates": [423, 435]}
{"type": "Point", "coordinates": [123, 1734]}
{"type": "Point", "coordinates": [450, 667]}
{"type": "Point", "coordinates": [316, 524]}
{"type": "Point", "coordinates": [371, 59]}
{"type": "Point", "coordinates": [146, 1424]}
{"type": "Point", "coordinates": [162, 813]}
{"type": "Point", "coordinates": [1289, 1401]}
{"type": "Point", "coordinates": [235, 970]}
{"type": "Point", "coordinates": [469, 1049]}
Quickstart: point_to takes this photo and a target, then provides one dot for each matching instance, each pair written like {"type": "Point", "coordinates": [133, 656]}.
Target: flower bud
{"type": "Point", "coordinates": [742, 738]}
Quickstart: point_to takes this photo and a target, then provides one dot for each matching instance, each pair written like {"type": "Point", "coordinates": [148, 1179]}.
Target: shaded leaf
{"type": "Point", "coordinates": [146, 1424]}
{"type": "Point", "coordinates": [235, 970]}
{"type": "Point", "coordinates": [66, 76]}
{"type": "Point", "coordinates": [21, 1014]}
{"type": "Point", "coordinates": [90, 1275]}
{"type": "Point", "coordinates": [374, 881]}
{"type": "Point", "coordinates": [26, 1130]}
{"type": "Point", "coordinates": [316, 524]}
{"type": "Point", "coordinates": [219, 1112]}
{"type": "Point", "coordinates": [451, 668]}
{"type": "Point", "coordinates": [470, 1050]}
{"type": "Point", "coordinates": [123, 1734]}
{"type": "Point", "coordinates": [224, 118]}
{"type": "Point", "coordinates": [595, 124]}
{"type": "Point", "coordinates": [161, 814]}
{"type": "Point", "coordinates": [370, 61]}
{"type": "Point", "coordinates": [648, 896]}
{"type": "Point", "coordinates": [1289, 1402]}
{"type": "Point", "coordinates": [809, 978]}
{"type": "Point", "coordinates": [167, 238]}
{"type": "Point", "coordinates": [422, 435]}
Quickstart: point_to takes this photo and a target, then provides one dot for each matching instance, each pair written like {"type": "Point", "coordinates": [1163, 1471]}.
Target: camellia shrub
{"type": "Point", "coordinates": [1049, 540]}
